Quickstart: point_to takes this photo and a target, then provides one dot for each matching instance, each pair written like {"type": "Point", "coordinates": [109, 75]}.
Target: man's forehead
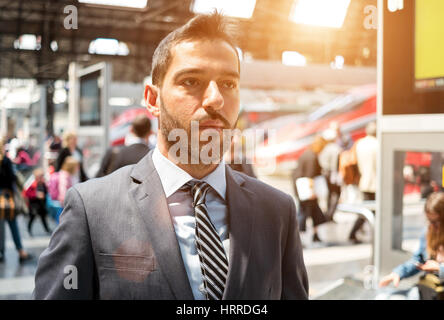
{"type": "Point", "coordinates": [198, 50]}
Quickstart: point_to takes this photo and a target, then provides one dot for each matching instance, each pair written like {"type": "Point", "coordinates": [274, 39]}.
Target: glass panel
{"type": "Point", "coordinates": [417, 175]}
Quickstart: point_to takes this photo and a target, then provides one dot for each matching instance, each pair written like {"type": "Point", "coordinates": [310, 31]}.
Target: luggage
{"type": "Point", "coordinates": [431, 287]}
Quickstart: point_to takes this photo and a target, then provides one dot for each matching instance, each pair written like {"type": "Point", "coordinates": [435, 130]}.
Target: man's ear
{"type": "Point", "coordinates": [151, 95]}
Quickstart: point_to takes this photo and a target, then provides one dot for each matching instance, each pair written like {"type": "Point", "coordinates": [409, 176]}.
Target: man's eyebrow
{"type": "Point", "coordinates": [186, 71]}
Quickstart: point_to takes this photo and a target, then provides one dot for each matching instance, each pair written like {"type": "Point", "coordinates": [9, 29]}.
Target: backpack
{"type": "Point", "coordinates": [348, 166]}
{"type": "Point", "coordinates": [53, 186]}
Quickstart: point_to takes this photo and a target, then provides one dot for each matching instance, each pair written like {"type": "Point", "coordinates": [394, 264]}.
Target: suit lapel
{"type": "Point", "coordinates": [240, 203]}
{"type": "Point", "coordinates": [150, 200]}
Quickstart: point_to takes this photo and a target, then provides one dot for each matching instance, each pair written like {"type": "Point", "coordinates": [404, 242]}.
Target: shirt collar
{"type": "Point", "coordinates": [173, 178]}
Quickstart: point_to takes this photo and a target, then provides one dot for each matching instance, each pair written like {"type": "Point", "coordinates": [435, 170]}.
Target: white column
{"type": "Point", "coordinates": [42, 123]}
{"type": "Point", "coordinates": [3, 121]}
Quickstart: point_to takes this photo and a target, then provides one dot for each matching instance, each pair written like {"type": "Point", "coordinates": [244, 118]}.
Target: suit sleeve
{"type": "Point", "coordinates": [294, 274]}
{"type": "Point", "coordinates": [66, 268]}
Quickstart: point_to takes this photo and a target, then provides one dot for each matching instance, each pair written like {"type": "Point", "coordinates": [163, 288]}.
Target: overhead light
{"type": "Point", "coordinates": [293, 58]}
{"type": "Point", "coordinates": [138, 4]}
{"type": "Point", "coordinates": [324, 13]}
{"type": "Point", "coordinates": [28, 42]}
{"type": "Point", "coordinates": [338, 63]}
{"type": "Point", "coordinates": [232, 8]}
{"type": "Point", "coordinates": [120, 101]}
{"type": "Point", "coordinates": [54, 45]}
{"type": "Point", "coordinates": [108, 46]}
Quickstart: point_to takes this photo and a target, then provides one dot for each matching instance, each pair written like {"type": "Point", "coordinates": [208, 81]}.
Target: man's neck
{"type": "Point", "coordinates": [197, 171]}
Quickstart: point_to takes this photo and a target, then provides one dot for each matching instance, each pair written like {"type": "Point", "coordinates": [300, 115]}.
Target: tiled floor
{"type": "Point", "coordinates": [17, 280]}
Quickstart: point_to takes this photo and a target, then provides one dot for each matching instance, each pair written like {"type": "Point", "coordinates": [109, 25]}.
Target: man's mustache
{"type": "Point", "coordinates": [215, 116]}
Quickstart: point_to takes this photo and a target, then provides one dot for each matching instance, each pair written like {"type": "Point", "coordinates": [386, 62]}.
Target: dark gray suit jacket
{"type": "Point", "coordinates": [118, 234]}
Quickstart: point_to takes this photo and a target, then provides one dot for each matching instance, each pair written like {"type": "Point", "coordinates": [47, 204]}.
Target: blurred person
{"type": "Point", "coordinates": [349, 175]}
{"type": "Point", "coordinates": [170, 229]}
{"type": "Point", "coordinates": [329, 162]}
{"type": "Point", "coordinates": [61, 181]}
{"type": "Point", "coordinates": [343, 140]}
{"type": "Point", "coordinates": [55, 143]}
{"type": "Point", "coordinates": [13, 145]}
{"type": "Point", "coordinates": [429, 257]}
{"type": "Point", "coordinates": [8, 210]}
{"type": "Point", "coordinates": [23, 158]}
{"type": "Point", "coordinates": [426, 184]}
{"type": "Point", "coordinates": [70, 149]}
{"type": "Point", "coordinates": [366, 155]}
{"type": "Point", "coordinates": [309, 167]}
{"type": "Point", "coordinates": [36, 195]}
{"type": "Point", "coordinates": [135, 148]}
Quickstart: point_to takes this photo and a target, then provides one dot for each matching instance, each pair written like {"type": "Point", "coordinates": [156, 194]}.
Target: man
{"type": "Point", "coordinates": [328, 159]}
{"type": "Point", "coordinates": [135, 148]}
{"type": "Point", "coordinates": [366, 155]}
{"type": "Point", "coordinates": [168, 229]}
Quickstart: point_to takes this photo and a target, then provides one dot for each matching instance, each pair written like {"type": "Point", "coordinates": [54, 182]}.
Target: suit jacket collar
{"type": "Point", "coordinates": [150, 200]}
{"type": "Point", "coordinates": [240, 202]}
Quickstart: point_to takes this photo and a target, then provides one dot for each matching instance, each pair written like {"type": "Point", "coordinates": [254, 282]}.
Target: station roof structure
{"type": "Point", "coordinates": [34, 43]}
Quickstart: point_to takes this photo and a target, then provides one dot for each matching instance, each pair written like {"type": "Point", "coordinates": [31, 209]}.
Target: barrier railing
{"type": "Point", "coordinates": [363, 209]}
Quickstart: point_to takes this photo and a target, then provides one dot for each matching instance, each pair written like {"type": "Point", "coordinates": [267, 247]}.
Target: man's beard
{"type": "Point", "coordinates": [168, 123]}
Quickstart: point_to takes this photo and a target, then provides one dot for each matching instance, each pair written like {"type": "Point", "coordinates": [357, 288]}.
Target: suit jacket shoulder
{"type": "Point", "coordinates": [269, 202]}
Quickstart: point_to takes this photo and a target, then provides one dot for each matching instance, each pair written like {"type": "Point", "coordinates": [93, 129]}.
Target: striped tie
{"type": "Point", "coordinates": [213, 261]}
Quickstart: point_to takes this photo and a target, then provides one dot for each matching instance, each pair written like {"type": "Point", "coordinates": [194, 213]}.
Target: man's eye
{"type": "Point", "coordinates": [190, 82]}
{"type": "Point", "coordinates": [229, 84]}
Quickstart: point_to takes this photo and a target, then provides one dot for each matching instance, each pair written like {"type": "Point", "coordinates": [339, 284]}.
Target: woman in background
{"type": "Point", "coordinates": [430, 255]}
{"type": "Point", "coordinates": [7, 205]}
{"type": "Point", "coordinates": [70, 149]}
{"type": "Point", "coordinates": [308, 167]}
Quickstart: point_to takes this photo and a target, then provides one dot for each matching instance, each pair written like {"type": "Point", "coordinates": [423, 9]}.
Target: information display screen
{"type": "Point", "coordinates": [413, 58]}
{"type": "Point", "coordinates": [429, 44]}
{"type": "Point", "coordinates": [89, 104]}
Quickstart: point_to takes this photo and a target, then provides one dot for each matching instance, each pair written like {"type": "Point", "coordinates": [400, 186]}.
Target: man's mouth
{"type": "Point", "coordinates": [211, 124]}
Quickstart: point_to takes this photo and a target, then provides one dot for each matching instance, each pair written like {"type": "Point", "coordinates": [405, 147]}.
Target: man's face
{"type": "Point", "coordinates": [201, 84]}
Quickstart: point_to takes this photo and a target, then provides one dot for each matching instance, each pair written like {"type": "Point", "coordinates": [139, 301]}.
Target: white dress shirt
{"type": "Point", "coordinates": [181, 210]}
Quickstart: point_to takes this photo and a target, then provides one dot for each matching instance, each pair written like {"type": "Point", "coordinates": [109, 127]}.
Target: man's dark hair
{"type": "Point", "coordinates": [141, 125]}
{"type": "Point", "coordinates": [212, 26]}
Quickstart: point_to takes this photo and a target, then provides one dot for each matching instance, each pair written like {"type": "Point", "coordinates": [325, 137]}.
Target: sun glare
{"type": "Point", "coordinates": [324, 13]}
{"type": "Point", "coordinates": [120, 3]}
{"type": "Point", "coordinates": [232, 8]}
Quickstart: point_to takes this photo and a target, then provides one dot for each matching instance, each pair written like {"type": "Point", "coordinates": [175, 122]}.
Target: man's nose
{"type": "Point", "coordinates": [213, 99]}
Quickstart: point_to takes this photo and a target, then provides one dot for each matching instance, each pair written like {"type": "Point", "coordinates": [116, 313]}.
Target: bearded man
{"type": "Point", "coordinates": [179, 224]}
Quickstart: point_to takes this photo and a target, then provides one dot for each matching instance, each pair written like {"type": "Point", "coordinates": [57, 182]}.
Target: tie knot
{"type": "Point", "coordinates": [198, 190]}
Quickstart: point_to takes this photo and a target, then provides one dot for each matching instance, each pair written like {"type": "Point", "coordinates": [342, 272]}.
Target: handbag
{"type": "Point", "coordinates": [431, 287]}
{"type": "Point", "coordinates": [7, 205]}
{"type": "Point", "coordinates": [309, 189]}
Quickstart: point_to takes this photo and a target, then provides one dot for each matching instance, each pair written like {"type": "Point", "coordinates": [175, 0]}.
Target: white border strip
{"type": "Point", "coordinates": [413, 123]}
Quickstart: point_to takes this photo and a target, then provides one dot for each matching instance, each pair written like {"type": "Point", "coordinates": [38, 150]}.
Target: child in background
{"type": "Point", "coordinates": [69, 169]}
{"type": "Point", "coordinates": [36, 195]}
